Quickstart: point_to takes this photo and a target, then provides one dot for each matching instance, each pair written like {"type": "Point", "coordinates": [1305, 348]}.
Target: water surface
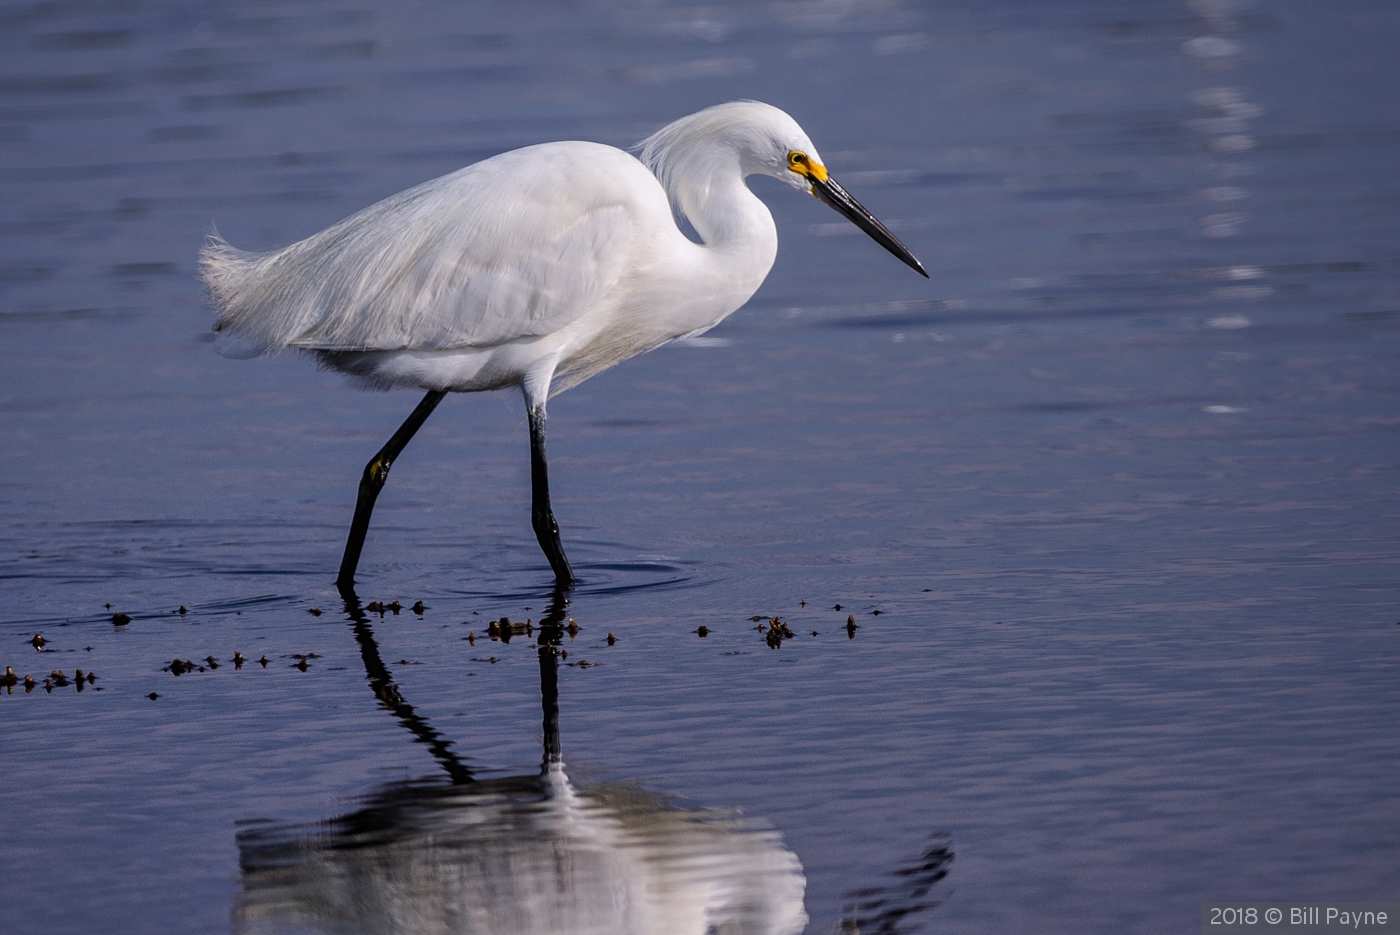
{"type": "Point", "coordinates": [1112, 500]}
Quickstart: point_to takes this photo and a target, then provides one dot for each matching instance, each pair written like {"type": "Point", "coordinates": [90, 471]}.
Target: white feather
{"type": "Point", "coordinates": [492, 252]}
{"type": "Point", "coordinates": [538, 267]}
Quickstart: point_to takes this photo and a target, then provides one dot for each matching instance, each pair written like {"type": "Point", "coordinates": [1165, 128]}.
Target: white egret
{"type": "Point", "coordinates": [537, 268]}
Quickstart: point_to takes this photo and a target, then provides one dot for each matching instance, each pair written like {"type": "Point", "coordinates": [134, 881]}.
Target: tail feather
{"type": "Point", "coordinates": [252, 320]}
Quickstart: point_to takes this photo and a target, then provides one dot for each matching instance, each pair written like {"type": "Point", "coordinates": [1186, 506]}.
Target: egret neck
{"type": "Point", "coordinates": [737, 230]}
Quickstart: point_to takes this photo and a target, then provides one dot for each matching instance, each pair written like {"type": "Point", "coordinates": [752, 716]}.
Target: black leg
{"type": "Point", "coordinates": [541, 516]}
{"type": "Point", "coordinates": [376, 472]}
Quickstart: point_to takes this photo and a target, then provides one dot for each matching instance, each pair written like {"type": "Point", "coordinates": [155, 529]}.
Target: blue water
{"type": "Point", "coordinates": [1122, 480]}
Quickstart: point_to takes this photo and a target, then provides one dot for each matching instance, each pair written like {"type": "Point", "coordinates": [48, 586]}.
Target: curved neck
{"type": "Point", "coordinates": [724, 212]}
{"type": "Point", "coordinates": [736, 227]}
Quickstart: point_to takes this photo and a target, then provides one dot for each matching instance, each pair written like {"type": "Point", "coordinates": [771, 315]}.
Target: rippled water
{"type": "Point", "coordinates": [1120, 482]}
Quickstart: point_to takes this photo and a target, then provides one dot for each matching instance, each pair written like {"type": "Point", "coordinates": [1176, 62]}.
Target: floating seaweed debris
{"type": "Point", "coordinates": [778, 630]}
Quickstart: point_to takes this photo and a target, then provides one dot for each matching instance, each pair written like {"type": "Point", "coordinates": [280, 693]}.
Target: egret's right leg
{"type": "Point", "coordinates": [376, 473]}
{"type": "Point", "coordinates": [541, 513]}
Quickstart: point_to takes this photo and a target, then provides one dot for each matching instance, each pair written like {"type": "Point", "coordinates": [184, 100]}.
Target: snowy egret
{"type": "Point", "coordinates": [537, 268]}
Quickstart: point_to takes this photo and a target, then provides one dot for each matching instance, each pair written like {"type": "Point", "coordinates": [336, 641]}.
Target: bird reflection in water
{"type": "Point", "coordinates": [515, 854]}
{"type": "Point", "coordinates": [895, 907]}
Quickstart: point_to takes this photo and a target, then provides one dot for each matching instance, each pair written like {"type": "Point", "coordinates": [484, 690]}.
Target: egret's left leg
{"type": "Point", "coordinates": [372, 481]}
{"type": "Point", "coordinates": [541, 515]}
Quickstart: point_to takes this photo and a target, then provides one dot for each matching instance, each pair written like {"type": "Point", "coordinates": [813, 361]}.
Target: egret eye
{"type": "Point", "coordinates": [796, 159]}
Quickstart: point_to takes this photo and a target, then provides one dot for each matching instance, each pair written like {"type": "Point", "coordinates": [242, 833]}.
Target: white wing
{"type": "Point", "coordinates": [517, 245]}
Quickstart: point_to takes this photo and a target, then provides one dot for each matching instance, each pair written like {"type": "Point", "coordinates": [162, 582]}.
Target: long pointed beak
{"type": "Point", "coordinates": [828, 191]}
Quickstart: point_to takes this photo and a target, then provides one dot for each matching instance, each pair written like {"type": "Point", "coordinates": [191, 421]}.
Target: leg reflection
{"type": "Point", "coordinates": [520, 854]}
{"type": "Point", "coordinates": [551, 633]}
{"type": "Point", "coordinates": [381, 682]}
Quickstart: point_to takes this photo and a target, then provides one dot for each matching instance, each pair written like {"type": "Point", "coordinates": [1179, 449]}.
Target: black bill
{"type": "Point", "coordinates": [836, 196]}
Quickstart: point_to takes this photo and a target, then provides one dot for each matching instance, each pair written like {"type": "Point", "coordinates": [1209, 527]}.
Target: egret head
{"type": "Point", "coordinates": [760, 137]}
{"type": "Point", "coordinates": [688, 154]}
